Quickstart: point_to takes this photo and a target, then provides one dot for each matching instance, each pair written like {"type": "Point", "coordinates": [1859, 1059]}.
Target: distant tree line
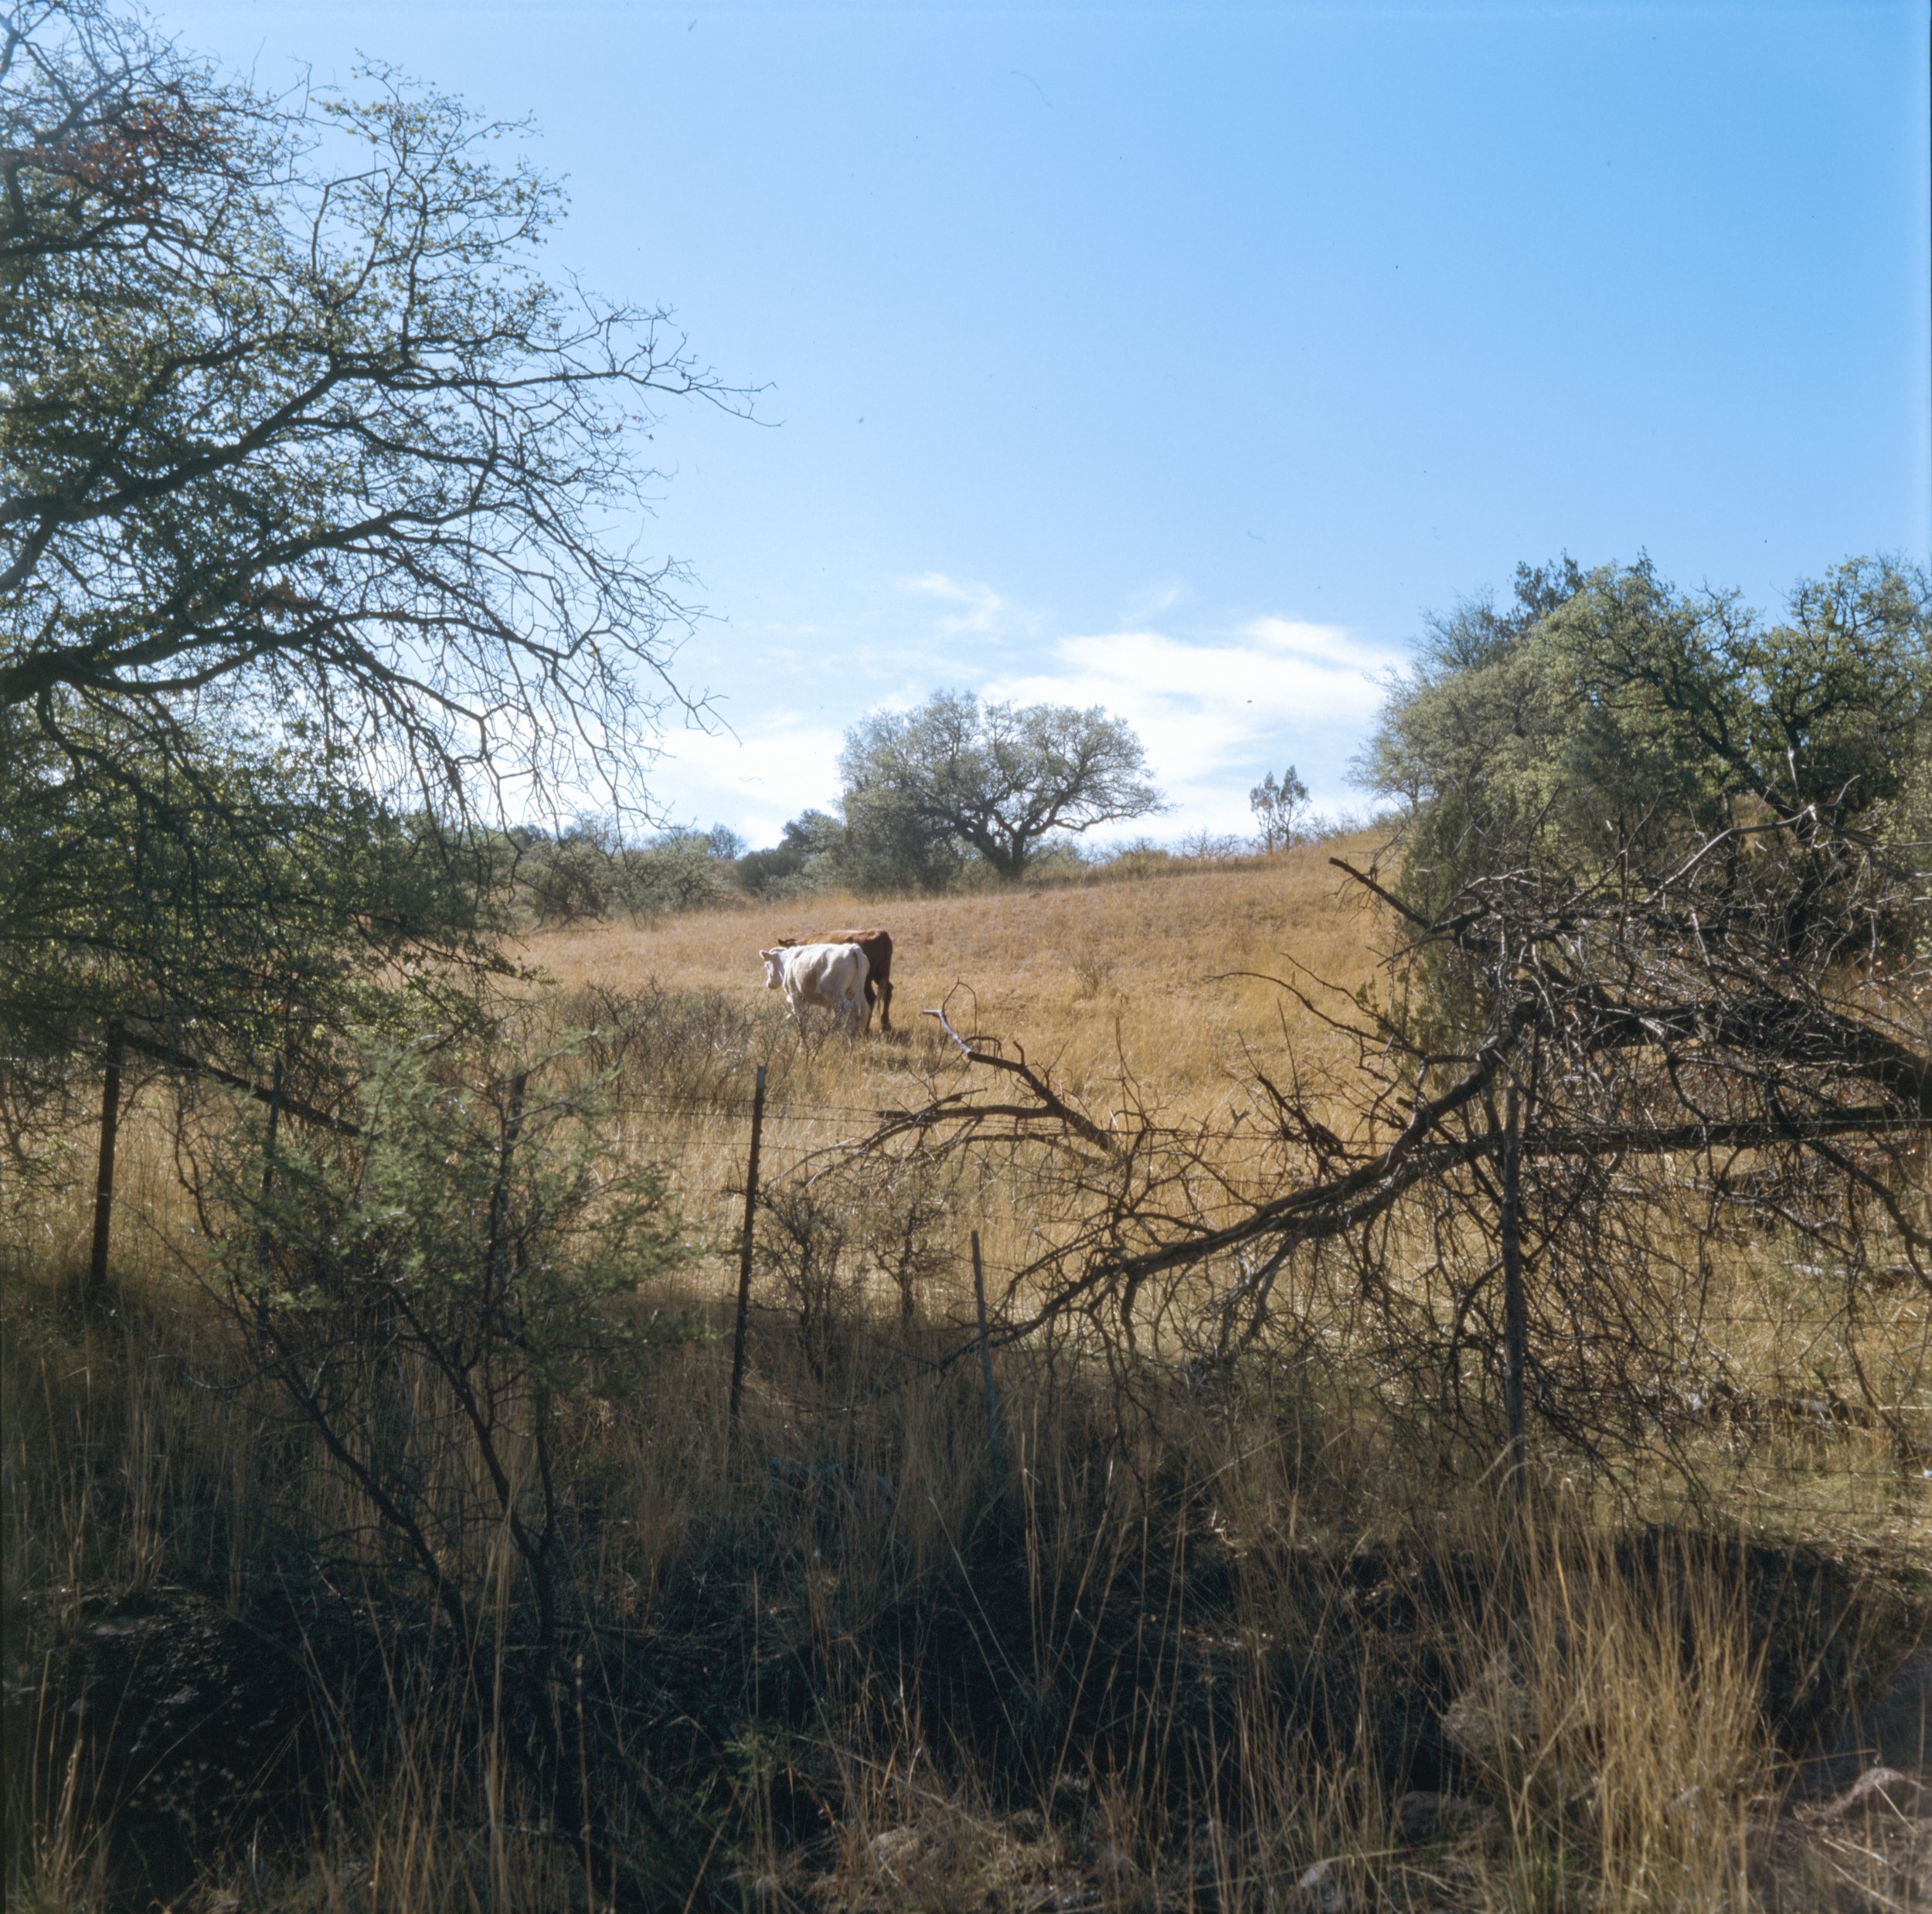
{"type": "Point", "coordinates": [585, 871]}
{"type": "Point", "coordinates": [952, 795]}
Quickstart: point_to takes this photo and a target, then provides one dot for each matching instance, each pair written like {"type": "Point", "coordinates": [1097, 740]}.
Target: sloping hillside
{"type": "Point", "coordinates": [1145, 972]}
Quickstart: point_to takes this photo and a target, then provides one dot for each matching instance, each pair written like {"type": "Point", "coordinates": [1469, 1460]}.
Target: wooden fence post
{"type": "Point", "coordinates": [1515, 1326]}
{"type": "Point", "coordinates": [986, 1365]}
{"type": "Point", "coordinates": [104, 1177]}
{"type": "Point", "coordinates": [265, 1236]}
{"type": "Point", "coordinates": [744, 1251]}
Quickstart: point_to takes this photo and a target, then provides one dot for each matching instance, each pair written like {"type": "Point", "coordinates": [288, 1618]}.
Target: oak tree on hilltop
{"type": "Point", "coordinates": [999, 778]}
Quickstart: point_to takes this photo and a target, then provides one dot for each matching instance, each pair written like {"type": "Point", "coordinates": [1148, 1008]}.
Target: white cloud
{"type": "Point", "coordinates": [1216, 714]}
{"type": "Point", "coordinates": [983, 609]}
{"type": "Point", "coordinates": [1323, 643]}
{"type": "Point", "coordinates": [779, 764]}
{"type": "Point", "coordinates": [1153, 601]}
{"type": "Point", "coordinates": [1215, 711]}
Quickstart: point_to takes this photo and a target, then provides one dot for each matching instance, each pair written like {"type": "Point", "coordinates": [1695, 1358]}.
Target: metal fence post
{"type": "Point", "coordinates": [744, 1251]}
{"type": "Point", "coordinates": [104, 1177]}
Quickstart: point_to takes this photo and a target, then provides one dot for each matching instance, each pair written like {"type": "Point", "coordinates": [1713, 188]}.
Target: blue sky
{"type": "Point", "coordinates": [1180, 359]}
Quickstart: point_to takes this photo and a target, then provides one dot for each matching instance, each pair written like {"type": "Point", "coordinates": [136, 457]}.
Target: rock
{"type": "Point", "coordinates": [895, 1846]}
{"type": "Point", "coordinates": [1879, 1791]}
{"type": "Point", "coordinates": [1895, 1730]}
{"type": "Point", "coordinates": [1495, 1713]}
{"type": "Point", "coordinates": [191, 1716]}
{"type": "Point", "coordinates": [1323, 1887]}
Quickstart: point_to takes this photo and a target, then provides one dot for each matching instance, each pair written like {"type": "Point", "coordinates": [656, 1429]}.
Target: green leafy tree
{"type": "Point", "coordinates": [216, 905]}
{"type": "Point", "coordinates": [1607, 735]}
{"type": "Point", "coordinates": [1605, 716]}
{"type": "Point", "coordinates": [1000, 779]}
{"type": "Point", "coordinates": [565, 878]}
{"type": "Point", "coordinates": [1279, 808]}
{"type": "Point", "coordinates": [806, 857]}
{"type": "Point", "coordinates": [681, 869]}
{"type": "Point", "coordinates": [315, 509]}
{"type": "Point", "coordinates": [891, 842]}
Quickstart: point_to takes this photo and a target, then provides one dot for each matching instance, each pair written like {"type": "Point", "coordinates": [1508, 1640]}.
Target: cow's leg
{"type": "Point", "coordinates": [885, 1005]}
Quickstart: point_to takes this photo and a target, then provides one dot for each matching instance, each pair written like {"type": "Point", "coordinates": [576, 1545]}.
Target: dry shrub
{"type": "Point", "coordinates": [682, 1048]}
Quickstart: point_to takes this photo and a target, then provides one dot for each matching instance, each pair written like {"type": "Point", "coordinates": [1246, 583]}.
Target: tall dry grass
{"type": "Point", "coordinates": [1210, 1640]}
{"type": "Point", "coordinates": [1209, 1659]}
{"type": "Point", "coordinates": [1159, 993]}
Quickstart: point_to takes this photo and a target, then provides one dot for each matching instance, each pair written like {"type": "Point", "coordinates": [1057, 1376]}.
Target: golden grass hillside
{"type": "Point", "coordinates": [1141, 972]}
{"type": "Point", "coordinates": [1155, 990]}
{"type": "Point", "coordinates": [1169, 980]}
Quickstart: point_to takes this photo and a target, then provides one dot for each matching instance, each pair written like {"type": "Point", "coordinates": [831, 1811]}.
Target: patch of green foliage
{"type": "Point", "coordinates": [223, 901]}
{"type": "Point", "coordinates": [1604, 715]}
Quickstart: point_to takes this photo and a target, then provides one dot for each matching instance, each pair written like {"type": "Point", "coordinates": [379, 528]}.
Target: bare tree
{"type": "Point", "coordinates": [1610, 1070]}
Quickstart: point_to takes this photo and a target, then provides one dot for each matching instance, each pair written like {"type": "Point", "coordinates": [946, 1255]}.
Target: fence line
{"type": "Point", "coordinates": [794, 1110]}
{"type": "Point", "coordinates": [805, 1110]}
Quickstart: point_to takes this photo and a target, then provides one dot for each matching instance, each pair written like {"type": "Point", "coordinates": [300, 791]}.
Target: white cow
{"type": "Point", "coordinates": [833, 974]}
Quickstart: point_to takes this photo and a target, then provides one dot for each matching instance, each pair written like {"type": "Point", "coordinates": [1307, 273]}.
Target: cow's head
{"type": "Point", "coordinates": [775, 967]}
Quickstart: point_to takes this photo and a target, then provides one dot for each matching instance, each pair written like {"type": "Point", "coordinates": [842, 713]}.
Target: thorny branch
{"type": "Point", "coordinates": [1048, 1105]}
{"type": "Point", "coordinates": [1701, 1078]}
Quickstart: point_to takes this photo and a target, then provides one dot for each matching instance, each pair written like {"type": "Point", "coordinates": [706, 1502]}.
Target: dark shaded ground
{"type": "Point", "coordinates": [194, 1731]}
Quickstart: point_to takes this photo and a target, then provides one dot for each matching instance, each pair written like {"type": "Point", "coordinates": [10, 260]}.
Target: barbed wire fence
{"type": "Point", "coordinates": [1824, 1420]}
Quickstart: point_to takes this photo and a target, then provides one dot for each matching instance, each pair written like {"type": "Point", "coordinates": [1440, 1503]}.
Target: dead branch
{"type": "Point", "coordinates": [1048, 1106]}
{"type": "Point", "coordinates": [176, 1057]}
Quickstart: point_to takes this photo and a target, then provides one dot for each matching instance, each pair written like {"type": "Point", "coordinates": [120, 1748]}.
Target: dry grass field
{"type": "Point", "coordinates": [1139, 974]}
{"type": "Point", "coordinates": [1115, 989]}
{"type": "Point", "coordinates": [1190, 1636]}
{"type": "Point", "coordinates": [1162, 991]}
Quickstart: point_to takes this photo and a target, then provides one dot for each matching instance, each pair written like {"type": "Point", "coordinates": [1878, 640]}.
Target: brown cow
{"type": "Point", "coordinates": [878, 947]}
